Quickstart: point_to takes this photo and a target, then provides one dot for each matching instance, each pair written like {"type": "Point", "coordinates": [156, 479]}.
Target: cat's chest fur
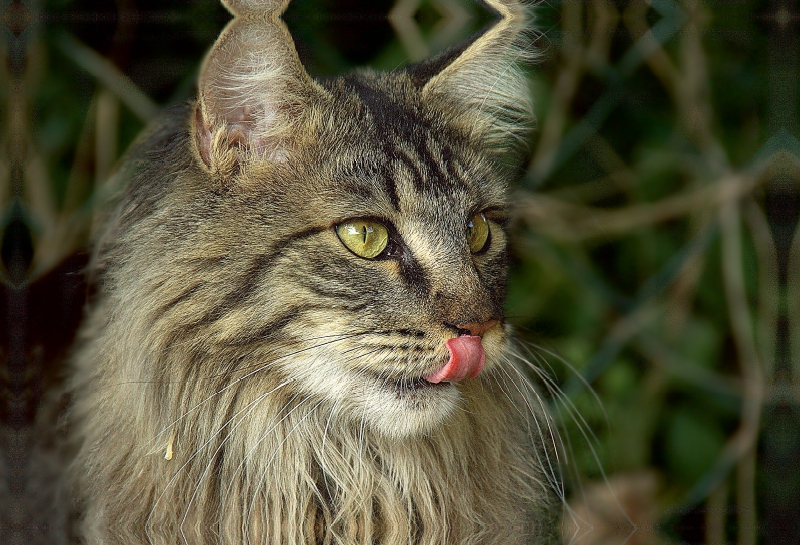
{"type": "Point", "coordinates": [298, 336]}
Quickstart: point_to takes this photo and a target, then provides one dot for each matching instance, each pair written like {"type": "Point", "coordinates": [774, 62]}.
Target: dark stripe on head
{"type": "Point", "coordinates": [416, 333]}
{"type": "Point", "coordinates": [387, 112]}
{"type": "Point", "coordinates": [391, 122]}
{"type": "Point", "coordinates": [251, 279]}
{"type": "Point", "coordinates": [271, 328]}
{"type": "Point", "coordinates": [414, 275]}
{"type": "Point", "coordinates": [391, 187]}
{"type": "Point", "coordinates": [346, 299]}
{"type": "Point", "coordinates": [449, 161]}
{"type": "Point", "coordinates": [416, 174]}
{"type": "Point", "coordinates": [186, 294]}
{"type": "Point", "coordinates": [443, 174]}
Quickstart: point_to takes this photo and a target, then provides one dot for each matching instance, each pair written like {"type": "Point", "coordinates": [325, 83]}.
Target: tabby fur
{"type": "Point", "coordinates": [242, 377]}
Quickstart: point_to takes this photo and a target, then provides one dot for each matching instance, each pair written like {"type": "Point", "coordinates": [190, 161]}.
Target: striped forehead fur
{"type": "Point", "coordinates": [243, 376]}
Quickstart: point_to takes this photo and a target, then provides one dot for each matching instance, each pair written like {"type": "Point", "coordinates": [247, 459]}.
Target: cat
{"type": "Point", "coordinates": [298, 332]}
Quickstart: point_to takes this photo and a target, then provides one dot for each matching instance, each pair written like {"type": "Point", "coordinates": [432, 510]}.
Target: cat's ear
{"type": "Point", "coordinates": [253, 93]}
{"type": "Point", "coordinates": [483, 83]}
{"type": "Point", "coordinates": [243, 7]}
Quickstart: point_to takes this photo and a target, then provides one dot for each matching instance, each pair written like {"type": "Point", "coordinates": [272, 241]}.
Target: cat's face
{"type": "Point", "coordinates": [371, 327]}
{"type": "Point", "coordinates": [366, 216]}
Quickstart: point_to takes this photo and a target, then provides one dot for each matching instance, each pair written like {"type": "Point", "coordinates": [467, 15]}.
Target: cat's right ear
{"type": "Point", "coordinates": [482, 84]}
{"type": "Point", "coordinates": [253, 95]}
{"type": "Point", "coordinates": [243, 7]}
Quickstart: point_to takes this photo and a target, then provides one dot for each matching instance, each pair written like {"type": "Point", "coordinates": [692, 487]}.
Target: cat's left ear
{"type": "Point", "coordinates": [254, 96]}
{"type": "Point", "coordinates": [244, 8]}
{"type": "Point", "coordinates": [483, 84]}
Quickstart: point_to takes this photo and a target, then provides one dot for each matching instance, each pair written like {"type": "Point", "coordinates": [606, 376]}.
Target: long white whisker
{"type": "Point", "coordinates": [583, 427]}
{"type": "Point", "coordinates": [249, 408]}
{"type": "Point", "coordinates": [258, 485]}
{"type": "Point", "coordinates": [242, 378]}
{"type": "Point", "coordinates": [197, 451]}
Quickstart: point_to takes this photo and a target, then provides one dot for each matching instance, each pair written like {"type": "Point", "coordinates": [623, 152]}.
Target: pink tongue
{"type": "Point", "coordinates": [466, 360]}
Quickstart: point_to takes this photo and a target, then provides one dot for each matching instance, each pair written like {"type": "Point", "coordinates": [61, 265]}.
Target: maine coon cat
{"type": "Point", "coordinates": [298, 335]}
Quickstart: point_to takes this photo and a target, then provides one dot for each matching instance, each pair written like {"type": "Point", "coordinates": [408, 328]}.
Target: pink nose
{"type": "Point", "coordinates": [478, 329]}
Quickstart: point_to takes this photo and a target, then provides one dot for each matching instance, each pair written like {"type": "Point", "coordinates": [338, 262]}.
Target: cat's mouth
{"type": "Point", "coordinates": [466, 361]}
{"type": "Point", "coordinates": [407, 385]}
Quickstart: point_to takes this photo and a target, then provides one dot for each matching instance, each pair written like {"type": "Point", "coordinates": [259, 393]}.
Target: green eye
{"type": "Point", "coordinates": [363, 237]}
{"type": "Point", "coordinates": [477, 233]}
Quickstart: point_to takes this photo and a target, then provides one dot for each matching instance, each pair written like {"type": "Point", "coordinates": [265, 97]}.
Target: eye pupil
{"type": "Point", "coordinates": [478, 233]}
{"type": "Point", "coordinates": [365, 238]}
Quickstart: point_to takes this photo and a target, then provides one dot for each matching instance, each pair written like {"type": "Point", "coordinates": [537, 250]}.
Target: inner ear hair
{"type": "Point", "coordinates": [252, 95]}
{"type": "Point", "coordinates": [246, 7]}
{"type": "Point", "coordinates": [485, 81]}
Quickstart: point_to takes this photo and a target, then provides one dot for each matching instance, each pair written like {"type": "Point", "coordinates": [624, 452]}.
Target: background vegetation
{"type": "Point", "coordinates": [656, 250]}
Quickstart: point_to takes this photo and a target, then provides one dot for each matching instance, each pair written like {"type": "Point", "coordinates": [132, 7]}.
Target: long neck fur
{"type": "Point", "coordinates": [291, 472]}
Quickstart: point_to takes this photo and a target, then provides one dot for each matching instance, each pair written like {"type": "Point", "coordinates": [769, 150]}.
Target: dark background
{"type": "Point", "coordinates": [655, 243]}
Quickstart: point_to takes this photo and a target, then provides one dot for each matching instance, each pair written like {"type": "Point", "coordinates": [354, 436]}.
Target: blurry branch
{"type": "Point", "coordinates": [555, 146]}
{"type": "Point", "coordinates": [692, 89]}
{"type": "Point", "coordinates": [620, 334]}
{"type": "Point", "coordinates": [564, 89]}
{"type": "Point", "coordinates": [566, 221]}
{"type": "Point", "coordinates": [684, 289]}
{"type": "Point", "coordinates": [606, 19]}
{"type": "Point", "coordinates": [644, 308]}
{"type": "Point", "coordinates": [105, 135]}
{"type": "Point", "coordinates": [5, 185]}
{"type": "Point", "coordinates": [742, 444]}
{"type": "Point", "coordinates": [109, 75]}
{"type": "Point", "coordinates": [635, 18]}
{"type": "Point", "coordinates": [717, 514]}
{"type": "Point", "coordinates": [695, 106]}
{"type": "Point", "coordinates": [454, 18]}
{"type": "Point", "coordinates": [39, 207]}
{"type": "Point", "coordinates": [79, 180]}
{"type": "Point", "coordinates": [59, 231]}
{"type": "Point", "coordinates": [676, 366]}
{"type": "Point", "coordinates": [768, 296]}
{"type": "Point", "coordinates": [5, 98]}
{"type": "Point", "coordinates": [401, 17]}
{"type": "Point", "coordinates": [620, 176]}
{"type": "Point", "coordinates": [792, 302]}
{"type": "Point", "coordinates": [739, 450]}
{"type": "Point", "coordinates": [39, 204]}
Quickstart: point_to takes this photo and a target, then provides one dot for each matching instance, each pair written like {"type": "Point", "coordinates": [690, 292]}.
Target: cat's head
{"type": "Point", "coordinates": [366, 216]}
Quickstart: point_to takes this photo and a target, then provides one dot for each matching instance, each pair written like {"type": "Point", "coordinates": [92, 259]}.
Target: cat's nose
{"type": "Point", "coordinates": [478, 328]}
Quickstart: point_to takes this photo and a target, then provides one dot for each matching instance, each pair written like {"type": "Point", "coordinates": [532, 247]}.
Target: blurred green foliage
{"type": "Point", "coordinates": [656, 123]}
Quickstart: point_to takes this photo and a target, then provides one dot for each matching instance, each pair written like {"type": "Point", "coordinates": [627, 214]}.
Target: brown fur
{"type": "Point", "coordinates": [243, 377]}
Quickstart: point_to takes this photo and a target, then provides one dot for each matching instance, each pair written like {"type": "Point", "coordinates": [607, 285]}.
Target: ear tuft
{"type": "Point", "coordinates": [244, 7]}
{"type": "Point", "coordinates": [252, 95]}
{"type": "Point", "coordinates": [202, 136]}
{"type": "Point", "coordinates": [487, 81]}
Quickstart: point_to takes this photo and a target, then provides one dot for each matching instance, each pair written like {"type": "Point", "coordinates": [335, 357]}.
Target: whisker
{"type": "Point", "coordinates": [272, 458]}
{"type": "Point", "coordinates": [572, 411]}
{"type": "Point", "coordinates": [249, 408]}
{"type": "Point", "coordinates": [552, 477]}
{"type": "Point", "coordinates": [197, 451]}
{"type": "Point", "coordinates": [558, 447]}
{"type": "Point", "coordinates": [242, 378]}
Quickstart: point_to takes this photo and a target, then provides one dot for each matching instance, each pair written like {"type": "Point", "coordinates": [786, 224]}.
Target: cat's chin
{"type": "Point", "coordinates": [394, 408]}
{"type": "Point", "coordinates": [405, 408]}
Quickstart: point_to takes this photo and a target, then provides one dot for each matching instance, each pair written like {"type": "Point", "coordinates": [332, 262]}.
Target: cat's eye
{"type": "Point", "coordinates": [478, 233]}
{"type": "Point", "coordinates": [364, 238]}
